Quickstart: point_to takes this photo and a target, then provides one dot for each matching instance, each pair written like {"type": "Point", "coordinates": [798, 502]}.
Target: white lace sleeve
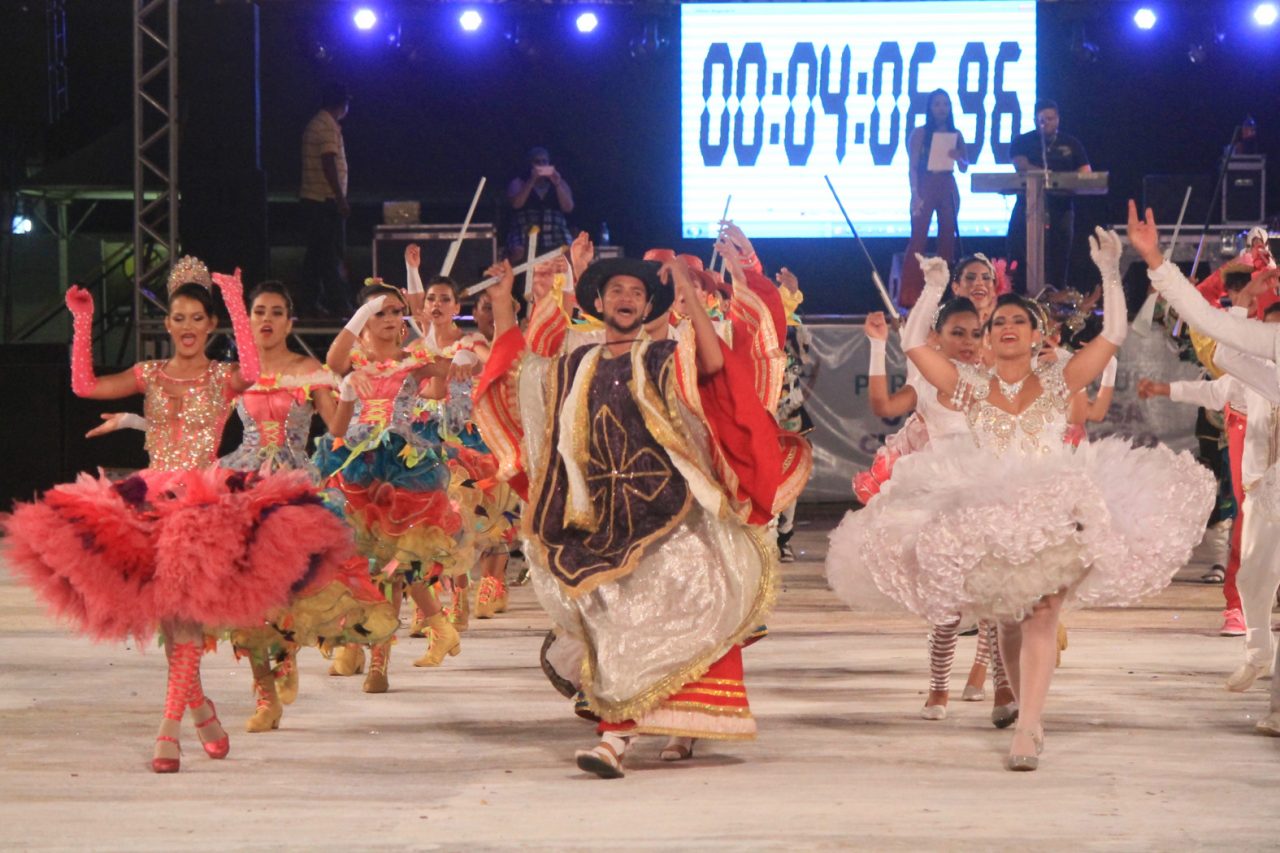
{"type": "Point", "coordinates": [915, 332]}
{"type": "Point", "coordinates": [1251, 336]}
{"type": "Point", "coordinates": [972, 385]}
{"type": "Point", "coordinates": [1052, 380]}
{"type": "Point", "coordinates": [1259, 374]}
{"type": "Point", "coordinates": [1211, 394]}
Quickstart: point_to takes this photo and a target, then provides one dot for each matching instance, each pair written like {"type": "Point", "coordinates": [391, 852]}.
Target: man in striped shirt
{"type": "Point", "coordinates": [324, 207]}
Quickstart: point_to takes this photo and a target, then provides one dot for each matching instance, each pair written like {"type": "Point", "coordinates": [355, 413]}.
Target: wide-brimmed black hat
{"type": "Point", "coordinates": [596, 276]}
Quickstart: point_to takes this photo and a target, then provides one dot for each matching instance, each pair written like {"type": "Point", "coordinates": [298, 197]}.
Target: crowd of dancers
{"type": "Point", "coordinates": [639, 435]}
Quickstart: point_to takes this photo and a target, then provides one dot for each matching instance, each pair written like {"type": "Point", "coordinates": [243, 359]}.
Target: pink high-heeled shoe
{"type": "Point", "coordinates": [213, 748]}
{"type": "Point", "coordinates": [167, 765]}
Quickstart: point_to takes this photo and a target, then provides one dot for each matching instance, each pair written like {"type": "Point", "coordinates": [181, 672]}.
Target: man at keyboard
{"type": "Point", "coordinates": [1063, 153]}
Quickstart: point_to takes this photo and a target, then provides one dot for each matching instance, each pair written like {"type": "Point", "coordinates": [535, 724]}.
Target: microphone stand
{"type": "Point", "coordinates": [1217, 191]}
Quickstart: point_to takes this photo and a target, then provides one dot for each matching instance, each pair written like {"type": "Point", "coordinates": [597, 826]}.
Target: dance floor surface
{"type": "Point", "coordinates": [1145, 750]}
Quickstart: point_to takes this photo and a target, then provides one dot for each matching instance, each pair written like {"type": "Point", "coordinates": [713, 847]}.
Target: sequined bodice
{"type": "Point", "coordinates": [186, 416]}
{"type": "Point", "coordinates": [454, 410]}
{"type": "Point", "coordinates": [275, 418]}
{"type": "Point", "coordinates": [389, 408]}
{"type": "Point", "coordinates": [1037, 429]}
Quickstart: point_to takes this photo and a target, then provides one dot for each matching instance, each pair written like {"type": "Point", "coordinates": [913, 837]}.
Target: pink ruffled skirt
{"type": "Point", "coordinates": [212, 547]}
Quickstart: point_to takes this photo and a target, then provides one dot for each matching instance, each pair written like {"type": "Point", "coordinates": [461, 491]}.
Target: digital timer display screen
{"type": "Point", "coordinates": [776, 95]}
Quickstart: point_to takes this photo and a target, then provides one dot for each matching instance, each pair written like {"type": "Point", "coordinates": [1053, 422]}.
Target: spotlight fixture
{"type": "Point", "coordinates": [1145, 18]}
{"type": "Point", "coordinates": [587, 22]}
{"type": "Point", "coordinates": [470, 20]}
{"type": "Point", "coordinates": [365, 18]}
{"type": "Point", "coordinates": [1265, 14]}
{"type": "Point", "coordinates": [21, 224]}
{"type": "Point", "coordinates": [1196, 53]}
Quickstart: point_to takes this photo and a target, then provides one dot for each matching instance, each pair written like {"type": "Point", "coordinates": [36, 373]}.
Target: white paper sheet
{"type": "Point", "coordinates": [940, 159]}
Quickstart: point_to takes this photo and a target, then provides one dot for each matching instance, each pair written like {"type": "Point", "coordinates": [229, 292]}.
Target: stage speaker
{"type": "Point", "coordinates": [1164, 195]}
{"type": "Point", "coordinates": [479, 251]}
{"type": "Point", "coordinates": [1244, 191]}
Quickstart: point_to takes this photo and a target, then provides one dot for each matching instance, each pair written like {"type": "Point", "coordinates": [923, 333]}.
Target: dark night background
{"type": "Point", "coordinates": [428, 119]}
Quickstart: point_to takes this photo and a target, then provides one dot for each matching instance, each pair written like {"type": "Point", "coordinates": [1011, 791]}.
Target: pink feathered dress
{"type": "Point", "coordinates": [180, 541]}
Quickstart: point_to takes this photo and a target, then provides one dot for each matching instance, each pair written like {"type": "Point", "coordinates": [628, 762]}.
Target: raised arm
{"type": "Point", "coordinates": [1092, 359]}
{"type": "Point", "coordinates": [936, 368]}
{"type": "Point", "coordinates": [338, 358]}
{"type": "Point", "coordinates": [414, 291]}
{"type": "Point", "coordinates": [1259, 374]}
{"type": "Point", "coordinates": [1099, 406]}
{"type": "Point", "coordinates": [1250, 336]}
{"type": "Point", "coordinates": [915, 332]}
{"type": "Point", "coordinates": [246, 348]}
{"type": "Point", "coordinates": [518, 191]}
{"type": "Point", "coordinates": [884, 404]}
{"type": "Point", "coordinates": [581, 253]}
{"type": "Point", "coordinates": [710, 356]}
{"type": "Point", "coordinates": [84, 383]}
{"type": "Point", "coordinates": [564, 195]}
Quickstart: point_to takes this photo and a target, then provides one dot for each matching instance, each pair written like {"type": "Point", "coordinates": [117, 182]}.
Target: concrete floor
{"type": "Point", "coordinates": [1145, 749]}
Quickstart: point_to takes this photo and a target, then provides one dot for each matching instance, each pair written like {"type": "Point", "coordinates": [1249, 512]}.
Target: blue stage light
{"type": "Point", "coordinates": [1265, 14]}
{"type": "Point", "coordinates": [1145, 18]}
{"type": "Point", "coordinates": [587, 22]}
{"type": "Point", "coordinates": [365, 18]}
{"type": "Point", "coordinates": [21, 225]}
{"type": "Point", "coordinates": [470, 20]}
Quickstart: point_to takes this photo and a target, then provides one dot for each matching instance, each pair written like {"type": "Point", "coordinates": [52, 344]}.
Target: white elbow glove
{"type": "Point", "coordinates": [413, 279]}
{"type": "Point", "coordinates": [936, 276]}
{"type": "Point", "coordinates": [936, 272]}
{"type": "Point", "coordinates": [1109, 373]}
{"type": "Point", "coordinates": [877, 367]}
{"type": "Point", "coordinates": [359, 319]}
{"type": "Point", "coordinates": [1105, 249]}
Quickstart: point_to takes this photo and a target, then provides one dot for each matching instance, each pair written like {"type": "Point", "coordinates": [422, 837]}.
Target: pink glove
{"type": "Point", "coordinates": [233, 297]}
{"type": "Point", "coordinates": [80, 304]}
{"type": "Point", "coordinates": [866, 484]}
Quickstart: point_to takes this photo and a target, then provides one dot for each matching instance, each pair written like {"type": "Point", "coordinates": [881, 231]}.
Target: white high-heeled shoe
{"type": "Point", "coordinates": [933, 712]}
{"type": "Point", "coordinates": [1270, 724]}
{"type": "Point", "coordinates": [1242, 679]}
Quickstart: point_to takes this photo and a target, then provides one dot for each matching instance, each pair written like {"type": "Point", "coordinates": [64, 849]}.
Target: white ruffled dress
{"type": "Point", "coordinates": [987, 527]}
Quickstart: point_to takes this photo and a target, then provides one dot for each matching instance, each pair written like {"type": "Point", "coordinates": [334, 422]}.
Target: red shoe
{"type": "Point", "coordinates": [1232, 623]}
{"type": "Point", "coordinates": [213, 748]}
{"type": "Point", "coordinates": [167, 765]}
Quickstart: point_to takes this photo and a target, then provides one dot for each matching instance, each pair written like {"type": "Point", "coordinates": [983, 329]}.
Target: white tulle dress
{"type": "Point", "coordinates": [986, 527]}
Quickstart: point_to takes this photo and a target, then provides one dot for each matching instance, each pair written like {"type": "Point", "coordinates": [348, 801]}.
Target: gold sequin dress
{"type": "Point", "coordinates": [180, 541]}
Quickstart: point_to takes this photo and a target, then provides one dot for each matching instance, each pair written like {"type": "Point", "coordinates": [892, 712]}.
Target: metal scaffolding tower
{"type": "Point", "coordinates": [155, 160]}
{"type": "Point", "coordinates": [55, 15]}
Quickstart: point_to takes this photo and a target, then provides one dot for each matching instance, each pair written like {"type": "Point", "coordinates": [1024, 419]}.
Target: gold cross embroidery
{"type": "Point", "coordinates": [619, 478]}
